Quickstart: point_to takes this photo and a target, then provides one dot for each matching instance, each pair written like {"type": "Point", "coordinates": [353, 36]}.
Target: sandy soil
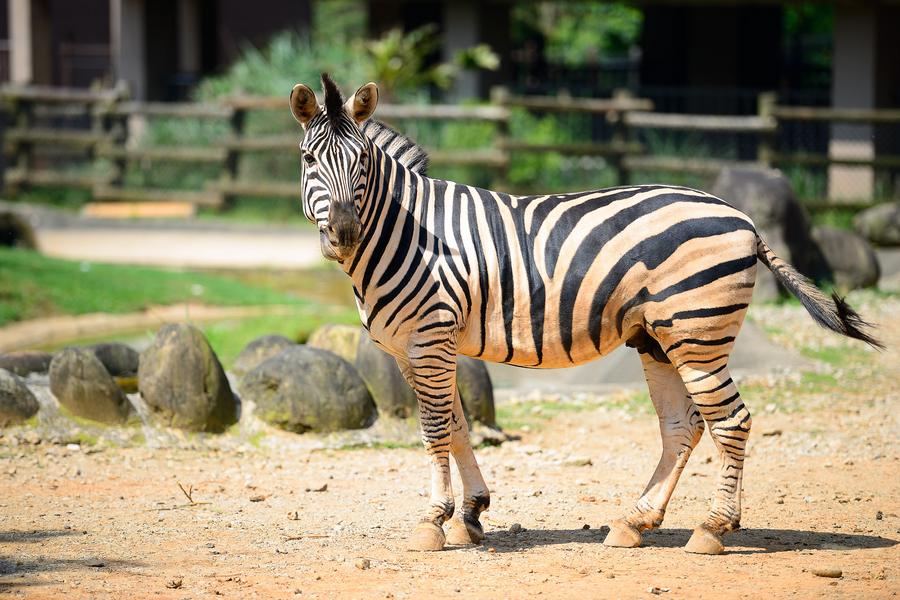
{"type": "Point", "coordinates": [821, 490]}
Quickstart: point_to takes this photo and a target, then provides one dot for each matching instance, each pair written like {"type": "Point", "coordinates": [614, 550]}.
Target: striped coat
{"type": "Point", "coordinates": [441, 269]}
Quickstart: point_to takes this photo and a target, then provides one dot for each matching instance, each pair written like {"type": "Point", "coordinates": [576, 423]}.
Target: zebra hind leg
{"type": "Point", "coordinates": [465, 528]}
{"type": "Point", "coordinates": [680, 426]}
{"type": "Point", "coordinates": [718, 400]}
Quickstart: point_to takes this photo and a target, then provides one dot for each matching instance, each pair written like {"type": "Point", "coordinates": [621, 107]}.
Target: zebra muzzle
{"type": "Point", "coordinates": [341, 236]}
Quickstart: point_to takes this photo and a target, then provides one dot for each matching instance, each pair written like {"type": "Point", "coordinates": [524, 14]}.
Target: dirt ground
{"type": "Point", "coordinates": [821, 490]}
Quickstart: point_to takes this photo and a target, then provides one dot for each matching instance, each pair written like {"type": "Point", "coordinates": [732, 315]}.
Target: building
{"type": "Point", "coordinates": [160, 47]}
{"type": "Point", "coordinates": [703, 56]}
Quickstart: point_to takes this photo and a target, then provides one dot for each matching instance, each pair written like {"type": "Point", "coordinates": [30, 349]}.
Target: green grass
{"type": "Point", "coordinates": [32, 285]}
{"type": "Point", "coordinates": [376, 445]}
{"type": "Point", "coordinates": [836, 356]}
{"type": "Point", "coordinates": [536, 414]}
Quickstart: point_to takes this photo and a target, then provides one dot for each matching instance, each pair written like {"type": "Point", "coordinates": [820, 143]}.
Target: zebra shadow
{"type": "Point", "coordinates": [16, 571]}
{"type": "Point", "coordinates": [744, 541]}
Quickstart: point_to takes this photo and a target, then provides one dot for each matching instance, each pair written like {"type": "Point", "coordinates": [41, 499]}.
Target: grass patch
{"type": "Point", "coordinates": [33, 285]}
{"type": "Point", "coordinates": [383, 445]}
{"type": "Point", "coordinates": [536, 414]}
{"type": "Point", "coordinates": [836, 356]}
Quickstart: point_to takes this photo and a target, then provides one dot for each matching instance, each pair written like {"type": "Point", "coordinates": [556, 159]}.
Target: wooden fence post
{"type": "Point", "coordinates": [114, 127]}
{"type": "Point", "coordinates": [23, 149]}
{"type": "Point", "coordinates": [765, 106]}
{"type": "Point", "coordinates": [620, 136]}
{"type": "Point", "coordinates": [500, 97]}
{"type": "Point", "coordinates": [237, 122]}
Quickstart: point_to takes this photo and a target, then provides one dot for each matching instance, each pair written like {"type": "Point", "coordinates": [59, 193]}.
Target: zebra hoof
{"type": "Point", "coordinates": [427, 537]}
{"type": "Point", "coordinates": [461, 533]}
{"type": "Point", "coordinates": [622, 535]}
{"type": "Point", "coordinates": [704, 541]}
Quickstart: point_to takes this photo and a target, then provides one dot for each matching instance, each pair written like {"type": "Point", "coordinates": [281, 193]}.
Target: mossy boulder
{"type": "Point", "coordinates": [17, 403]}
{"type": "Point", "coordinates": [120, 360]}
{"type": "Point", "coordinates": [85, 388]}
{"type": "Point", "coordinates": [183, 383]}
{"type": "Point", "coordinates": [852, 259]}
{"type": "Point", "coordinates": [389, 389]}
{"type": "Point", "coordinates": [24, 362]}
{"type": "Point", "coordinates": [342, 340]}
{"type": "Point", "coordinates": [880, 224]}
{"type": "Point", "coordinates": [475, 390]}
{"type": "Point", "coordinates": [258, 351]}
{"type": "Point", "coordinates": [308, 389]}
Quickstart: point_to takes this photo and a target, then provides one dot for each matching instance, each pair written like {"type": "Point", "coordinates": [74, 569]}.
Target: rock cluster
{"type": "Point", "coordinates": [17, 403]}
{"type": "Point", "coordinates": [339, 380]}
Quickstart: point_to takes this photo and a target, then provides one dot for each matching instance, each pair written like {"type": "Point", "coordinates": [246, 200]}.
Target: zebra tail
{"type": "Point", "coordinates": [832, 313]}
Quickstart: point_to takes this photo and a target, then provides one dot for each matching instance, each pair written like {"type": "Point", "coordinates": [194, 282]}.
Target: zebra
{"type": "Point", "coordinates": [440, 269]}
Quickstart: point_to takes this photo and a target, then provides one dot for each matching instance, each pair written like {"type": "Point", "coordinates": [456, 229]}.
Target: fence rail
{"type": "Point", "coordinates": [108, 118]}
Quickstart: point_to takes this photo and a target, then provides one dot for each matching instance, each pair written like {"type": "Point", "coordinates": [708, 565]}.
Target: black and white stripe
{"type": "Point", "coordinates": [441, 269]}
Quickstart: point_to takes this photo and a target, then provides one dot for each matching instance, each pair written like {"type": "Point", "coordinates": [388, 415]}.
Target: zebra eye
{"type": "Point", "coordinates": [309, 159]}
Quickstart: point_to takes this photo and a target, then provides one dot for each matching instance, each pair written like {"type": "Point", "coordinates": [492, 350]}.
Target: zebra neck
{"type": "Point", "coordinates": [394, 214]}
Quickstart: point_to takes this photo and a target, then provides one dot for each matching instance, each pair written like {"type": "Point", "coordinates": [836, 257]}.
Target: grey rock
{"type": "Point", "coordinates": [393, 395]}
{"type": "Point", "coordinates": [851, 258]}
{"type": "Point", "coordinates": [119, 359]}
{"type": "Point", "coordinates": [24, 362]}
{"type": "Point", "coordinates": [389, 389]}
{"type": "Point", "coordinates": [17, 403]}
{"type": "Point", "coordinates": [15, 231]}
{"type": "Point", "coordinates": [765, 195]}
{"type": "Point", "coordinates": [259, 350]}
{"type": "Point", "coordinates": [475, 390]}
{"type": "Point", "coordinates": [307, 389]}
{"type": "Point", "coordinates": [880, 224]}
{"type": "Point", "coordinates": [342, 340]}
{"type": "Point", "coordinates": [82, 385]}
{"type": "Point", "coordinates": [183, 383]}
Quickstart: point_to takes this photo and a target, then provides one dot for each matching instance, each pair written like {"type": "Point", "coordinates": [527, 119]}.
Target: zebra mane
{"type": "Point", "coordinates": [404, 150]}
{"type": "Point", "coordinates": [334, 101]}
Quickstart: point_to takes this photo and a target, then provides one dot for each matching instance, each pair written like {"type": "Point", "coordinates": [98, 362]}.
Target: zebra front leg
{"type": "Point", "coordinates": [433, 378]}
{"type": "Point", "coordinates": [718, 400]}
{"type": "Point", "coordinates": [680, 427]}
{"type": "Point", "coordinates": [466, 527]}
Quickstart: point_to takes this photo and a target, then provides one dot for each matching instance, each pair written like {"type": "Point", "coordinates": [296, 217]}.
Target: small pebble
{"type": "Point", "coordinates": [827, 572]}
{"type": "Point", "coordinates": [879, 515]}
{"type": "Point", "coordinates": [657, 590]}
{"type": "Point", "coordinates": [515, 528]}
{"type": "Point", "coordinates": [585, 526]}
{"type": "Point", "coordinates": [322, 488]}
{"type": "Point", "coordinates": [175, 584]}
{"type": "Point", "coordinates": [257, 498]}
{"type": "Point", "coordinates": [363, 563]}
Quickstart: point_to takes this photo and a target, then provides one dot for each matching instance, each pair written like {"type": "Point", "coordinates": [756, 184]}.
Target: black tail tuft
{"type": "Point", "coordinates": [853, 324]}
{"type": "Point", "coordinates": [834, 313]}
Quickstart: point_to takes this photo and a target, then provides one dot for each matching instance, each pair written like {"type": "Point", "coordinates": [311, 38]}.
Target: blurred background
{"type": "Point", "coordinates": [157, 133]}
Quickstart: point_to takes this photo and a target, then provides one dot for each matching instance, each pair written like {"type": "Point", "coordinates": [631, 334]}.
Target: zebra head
{"type": "Point", "coordinates": [334, 158]}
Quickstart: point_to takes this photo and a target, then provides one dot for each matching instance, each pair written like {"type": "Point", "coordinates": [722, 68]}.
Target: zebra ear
{"type": "Point", "coordinates": [303, 104]}
{"type": "Point", "coordinates": [363, 103]}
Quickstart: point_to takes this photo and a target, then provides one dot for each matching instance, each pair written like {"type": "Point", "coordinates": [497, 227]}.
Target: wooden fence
{"type": "Point", "coordinates": [108, 114]}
